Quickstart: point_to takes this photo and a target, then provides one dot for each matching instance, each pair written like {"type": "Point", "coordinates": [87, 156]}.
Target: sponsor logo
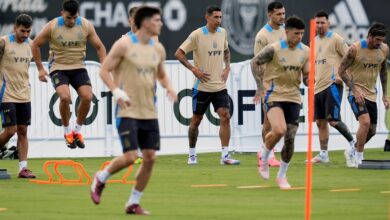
{"type": "Point", "coordinates": [23, 5]}
{"type": "Point", "coordinates": [241, 18]}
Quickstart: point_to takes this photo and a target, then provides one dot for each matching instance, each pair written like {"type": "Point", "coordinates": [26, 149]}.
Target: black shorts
{"type": "Point", "coordinates": [15, 113]}
{"type": "Point", "coordinates": [369, 107]}
{"type": "Point", "coordinates": [76, 78]}
{"type": "Point", "coordinates": [201, 100]}
{"type": "Point", "coordinates": [327, 103]}
{"type": "Point", "coordinates": [135, 133]}
{"type": "Point", "coordinates": [290, 109]}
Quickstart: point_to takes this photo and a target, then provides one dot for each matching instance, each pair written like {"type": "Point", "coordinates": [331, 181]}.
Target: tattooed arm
{"type": "Point", "coordinates": [226, 59]}
{"type": "Point", "coordinates": [347, 78]}
{"type": "Point", "coordinates": [261, 58]}
{"type": "Point", "coordinates": [383, 77]}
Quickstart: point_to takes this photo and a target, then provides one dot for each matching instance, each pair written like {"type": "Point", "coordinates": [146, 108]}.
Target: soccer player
{"type": "Point", "coordinates": [67, 36]}
{"type": "Point", "coordinates": [15, 94]}
{"type": "Point", "coordinates": [139, 61]}
{"type": "Point", "coordinates": [286, 62]}
{"type": "Point", "coordinates": [210, 49]}
{"type": "Point", "coordinates": [364, 60]}
{"type": "Point", "coordinates": [328, 93]}
{"type": "Point", "coordinates": [273, 31]}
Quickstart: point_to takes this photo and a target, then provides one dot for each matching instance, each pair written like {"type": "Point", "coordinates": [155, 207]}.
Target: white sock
{"type": "Point", "coordinates": [359, 156]}
{"type": "Point", "coordinates": [352, 145]}
{"type": "Point", "coordinates": [265, 154]}
{"type": "Point", "coordinates": [22, 164]}
{"type": "Point", "coordinates": [324, 153]}
{"type": "Point", "coordinates": [77, 128]}
{"type": "Point", "coordinates": [104, 175]}
{"type": "Point", "coordinates": [67, 129]}
{"type": "Point", "coordinates": [139, 152]}
{"type": "Point", "coordinates": [272, 154]}
{"type": "Point", "coordinates": [283, 169]}
{"type": "Point", "coordinates": [192, 152]}
{"type": "Point", "coordinates": [134, 197]}
{"type": "Point", "coordinates": [225, 152]}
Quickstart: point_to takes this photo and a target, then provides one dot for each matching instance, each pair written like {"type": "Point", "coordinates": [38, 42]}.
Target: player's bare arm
{"type": "Point", "coordinates": [163, 78]}
{"type": "Point", "coordinates": [305, 73]}
{"type": "Point", "coordinates": [42, 38]}
{"type": "Point", "coordinates": [226, 59]}
{"type": "Point", "coordinates": [347, 78]}
{"type": "Point", "coordinates": [261, 58]}
{"type": "Point", "coordinates": [2, 47]}
{"type": "Point", "coordinates": [94, 39]}
{"type": "Point", "coordinates": [383, 77]}
{"type": "Point", "coordinates": [109, 64]}
{"type": "Point", "coordinates": [200, 74]}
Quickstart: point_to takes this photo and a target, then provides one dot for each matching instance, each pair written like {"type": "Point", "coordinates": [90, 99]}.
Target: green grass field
{"type": "Point", "coordinates": [170, 195]}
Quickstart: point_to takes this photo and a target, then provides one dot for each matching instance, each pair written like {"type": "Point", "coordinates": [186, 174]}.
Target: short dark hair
{"type": "Point", "coordinates": [212, 8]}
{"type": "Point", "coordinates": [294, 22]}
{"type": "Point", "coordinates": [377, 29]}
{"type": "Point", "coordinates": [71, 6]}
{"type": "Point", "coordinates": [321, 14]}
{"type": "Point", "coordinates": [132, 11]}
{"type": "Point", "coordinates": [143, 13]}
{"type": "Point", "coordinates": [274, 5]}
{"type": "Point", "coordinates": [24, 19]}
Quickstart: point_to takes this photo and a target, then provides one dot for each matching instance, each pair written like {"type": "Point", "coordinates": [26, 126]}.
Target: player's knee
{"type": "Point", "coordinates": [279, 131]}
{"type": "Point", "coordinates": [195, 120]}
{"type": "Point", "coordinates": [65, 98]}
{"type": "Point", "coordinates": [86, 98]}
{"type": "Point", "coordinates": [22, 130]}
{"type": "Point", "coordinates": [321, 123]}
{"type": "Point", "coordinates": [130, 157]}
{"type": "Point", "coordinates": [149, 159]}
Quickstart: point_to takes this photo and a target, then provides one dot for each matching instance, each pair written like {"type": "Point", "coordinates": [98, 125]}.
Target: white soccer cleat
{"type": "Point", "coordinates": [263, 169]}
{"type": "Point", "coordinates": [192, 160]}
{"type": "Point", "coordinates": [319, 159]}
{"type": "Point", "coordinates": [283, 183]}
{"type": "Point", "coordinates": [350, 158]}
{"type": "Point", "coordinates": [227, 160]}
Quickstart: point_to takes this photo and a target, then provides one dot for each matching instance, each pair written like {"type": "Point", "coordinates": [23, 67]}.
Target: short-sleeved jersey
{"type": "Point", "coordinates": [15, 86]}
{"type": "Point", "coordinates": [366, 67]}
{"type": "Point", "coordinates": [329, 52]}
{"type": "Point", "coordinates": [67, 45]}
{"type": "Point", "coordinates": [208, 50]}
{"type": "Point", "coordinates": [266, 36]}
{"type": "Point", "coordinates": [137, 73]}
{"type": "Point", "coordinates": [282, 76]}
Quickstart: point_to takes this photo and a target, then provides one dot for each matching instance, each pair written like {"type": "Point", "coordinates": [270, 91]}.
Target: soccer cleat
{"type": "Point", "coordinates": [273, 162]}
{"type": "Point", "coordinates": [138, 160]}
{"type": "Point", "coordinates": [78, 140]}
{"type": "Point", "coordinates": [263, 167]}
{"type": "Point", "coordinates": [227, 160]}
{"type": "Point", "coordinates": [69, 140]}
{"type": "Point", "coordinates": [192, 160]}
{"type": "Point", "coordinates": [349, 158]}
{"type": "Point", "coordinates": [135, 209]}
{"type": "Point", "coordinates": [96, 189]}
{"type": "Point", "coordinates": [319, 159]}
{"type": "Point", "coordinates": [26, 173]}
{"type": "Point", "coordinates": [283, 183]}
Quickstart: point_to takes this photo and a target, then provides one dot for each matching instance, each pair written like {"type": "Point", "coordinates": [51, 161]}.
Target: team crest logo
{"type": "Point", "coordinates": [215, 45]}
{"type": "Point", "coordinates": [243, 19]}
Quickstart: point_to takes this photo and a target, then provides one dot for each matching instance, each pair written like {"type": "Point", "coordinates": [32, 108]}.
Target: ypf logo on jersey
{"type": "Point", "coordinates": [242, 18]}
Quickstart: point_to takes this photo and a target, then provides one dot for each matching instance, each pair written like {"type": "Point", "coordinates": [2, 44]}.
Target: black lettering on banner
{"type": "Point", "coordinates": [244, 107]}
{"type": "Point", "coordinates": [109, 105]}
